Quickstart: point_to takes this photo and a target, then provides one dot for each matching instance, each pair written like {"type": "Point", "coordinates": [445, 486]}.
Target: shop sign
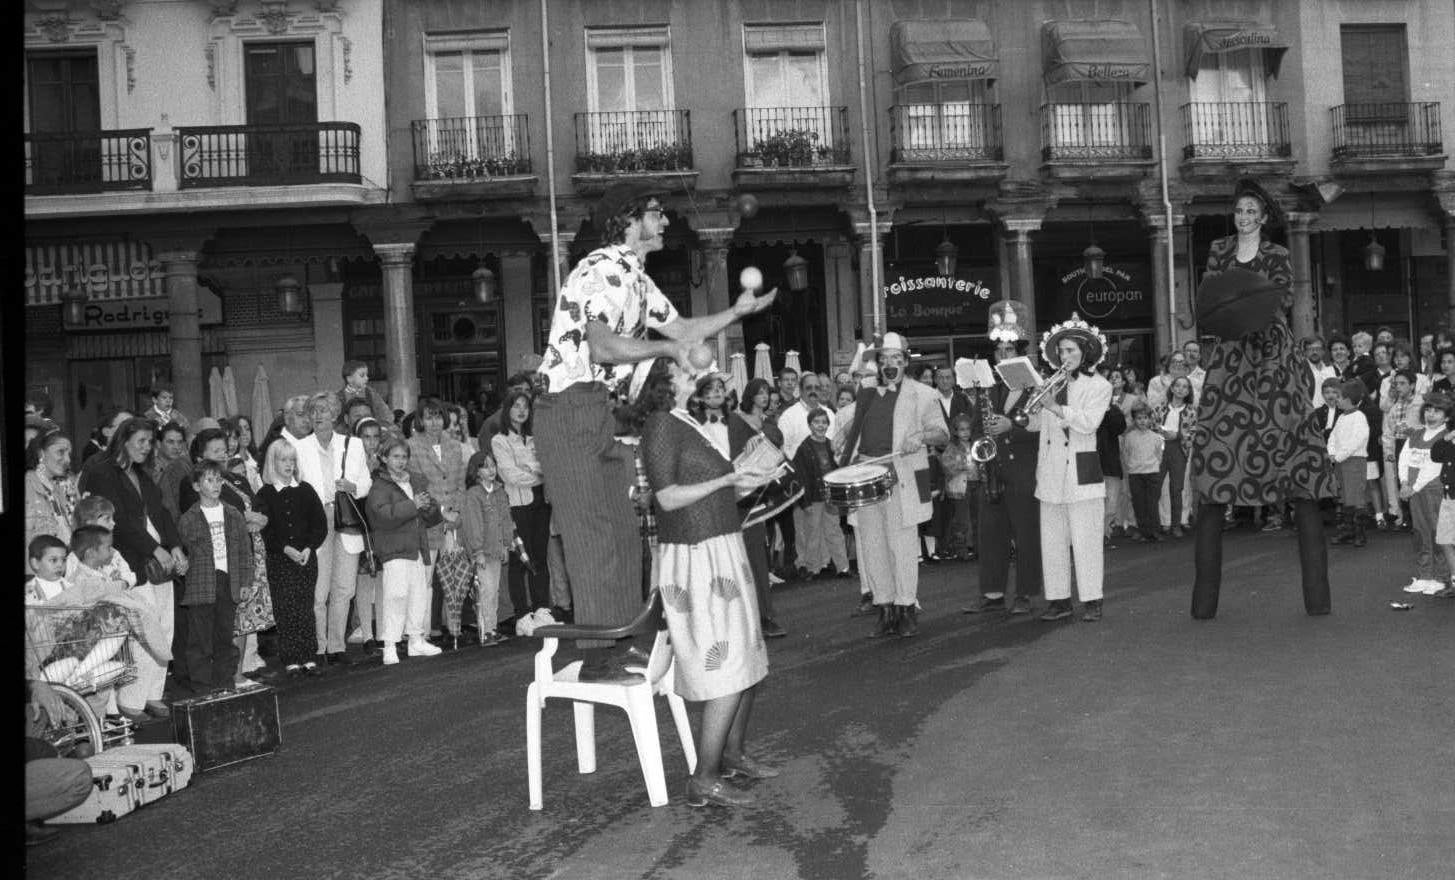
{"type": "Point", "coordinates": [104, 270]}
{"type": "Point", "coordinates": [1117, 295]}
{"type": "Point", "coordinates": [144, 314]}
{"type": "Point", "coordinates": [935, 299]}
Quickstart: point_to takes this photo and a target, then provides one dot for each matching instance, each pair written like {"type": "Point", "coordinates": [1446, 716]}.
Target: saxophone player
{"type": "Point", "coordinates": [1012, 518]}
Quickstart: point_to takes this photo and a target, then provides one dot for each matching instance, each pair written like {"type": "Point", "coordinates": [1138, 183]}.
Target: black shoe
{"type": "Point", "coordinates": [908, 621]}
{"type": "Point", "coordinates": [319, 660]}
{"type": "Point", "coordinates": [772, 629]}
{"type": "Point", "coordinates": [1021, 605]}
{"type": "Point", "coordinates": [1059, 609]}
{"type": "Point", "coordinates": [562, 615]}
{"type": "Point", "coordinates": [801, 574]}
{"type": "Point", "coordinates": [866, 605]}
{"type": "Point", "coordinates": [718, 794]}
{"type": "Point", "coordinates": [372, 647]}
{"type": "Point", "coordinates": [984, 604]}
{"type": "Point", "coordinates": [1093, 611]}
{"type": "Point", "coordinates": [340, 658]}
{"type": "Point", "coordinates": [887, 624]}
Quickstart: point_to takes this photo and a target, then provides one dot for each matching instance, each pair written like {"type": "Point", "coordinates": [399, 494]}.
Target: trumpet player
{"type": "Point", "coordinates": [1069, 480]}
{"type": "Point", "coordinates": [1007, 510]}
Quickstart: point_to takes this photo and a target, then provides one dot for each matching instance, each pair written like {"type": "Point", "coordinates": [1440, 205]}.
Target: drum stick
{"type": "Point", "coordinates": [879, 459]}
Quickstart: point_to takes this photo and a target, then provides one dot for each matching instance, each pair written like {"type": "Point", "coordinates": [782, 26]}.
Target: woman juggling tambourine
{"type": "Point", "coordinates": [1254, 443]}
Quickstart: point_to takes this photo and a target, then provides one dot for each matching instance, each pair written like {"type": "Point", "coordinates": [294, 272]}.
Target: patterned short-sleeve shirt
{"type": "Point", "coordinates": [609, 285]}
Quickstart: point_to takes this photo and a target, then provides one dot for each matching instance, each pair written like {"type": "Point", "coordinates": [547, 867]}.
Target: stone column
{"type": "Point", "coordinates": [843, 311]}
{"type": "Point", "coordinates": [1303, 289]}
{"type": "Point", "coordinates": [868, 296]}
{"type": "Point", "coordinates": [179, 266]}
{"type": "Point", "coordinates": [400, 358]}
{"type": "Point", "coordinates": [1168, 314]}
{"type": "Point", "coordinates": [719, 296]}
{"type": "Point", "coordinates": [1022, 276]}
{"type": "Point", "coordinates": [517, 302]}
{"type": "Point", "coordinates": [1449, 270]}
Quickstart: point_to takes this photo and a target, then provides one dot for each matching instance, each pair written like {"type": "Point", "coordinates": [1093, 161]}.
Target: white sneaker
{"type": "Point", "coordinates": [391, 655]}
{"type": "Point", "coordinates": [1432, 587]}
{"type": "Point", "coordinates": [1416, 585]}
{"type": "Point", "coordinates": [543, 617]}
{"type": "Point", "coordinates": [357, 636]}
{"type": "Point", "coordinates": [420, 648]}
{"type": "Point", "coordinates": [774, 579]}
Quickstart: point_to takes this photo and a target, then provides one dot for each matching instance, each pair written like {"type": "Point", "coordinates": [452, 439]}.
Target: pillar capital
{"type": "Point", "coordinates": [1020, 227]}
{"type": "Point", "coordinates": [1300, 221]}
{"type": "Point", "coordinates": [396, 253]}
{"type": "Point", "coordinates": [863, 230]}
{"type": "Point", "coordinates": [716, 238]}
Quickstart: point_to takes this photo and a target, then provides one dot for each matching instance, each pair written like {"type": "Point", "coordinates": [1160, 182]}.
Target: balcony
{"type": "Point", "coordinates": [943, 143]}
{"type": "Point", "coordinates": [792, 147]}
{"type": "Point", "coordinates": [1387, 138]}
{"type": "Point", "coordinates": [1223, 139]}
{"type": "Point", "coordinates": [1093, 141]}
{"type": "Point", "coordinates": [648, 145]}
{"type": "Point", "coordinates": [472, 157]}
{"type": "Point", "coordinates": [269, 155]}
{"type": "Point", "coordinates": [88, 161]}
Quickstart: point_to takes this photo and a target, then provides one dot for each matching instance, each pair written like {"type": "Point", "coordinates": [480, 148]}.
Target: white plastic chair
{"type": "Point", "coordinates": [635, 698]}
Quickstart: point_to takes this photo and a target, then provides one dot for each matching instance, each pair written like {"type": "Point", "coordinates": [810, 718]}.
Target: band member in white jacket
{"type": "Point", "coordinates": [1069, 482]}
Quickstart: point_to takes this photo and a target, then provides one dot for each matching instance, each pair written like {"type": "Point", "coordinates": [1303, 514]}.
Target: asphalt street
{"type": "Point", "coordinates": [1264, 743]}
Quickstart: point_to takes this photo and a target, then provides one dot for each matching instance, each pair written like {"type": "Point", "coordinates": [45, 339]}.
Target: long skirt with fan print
{"type": "Point", "coordinates": [712, 616]}
{"type": "Point", "coordinates": [455, 575]}
{"type": "Point", "coordinates": [255, 608]}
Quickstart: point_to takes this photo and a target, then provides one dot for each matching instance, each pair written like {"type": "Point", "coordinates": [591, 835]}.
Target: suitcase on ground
{"type": "Point", "coordinates": [116, 790]}
{"type": "Point", "coordinates": [228, 728]}
{"type": "Point", "coordinates": [174, 767]}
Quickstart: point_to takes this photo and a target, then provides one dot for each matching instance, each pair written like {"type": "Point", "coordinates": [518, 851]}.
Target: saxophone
{"type": "Point", "coordinates": [983, 448]}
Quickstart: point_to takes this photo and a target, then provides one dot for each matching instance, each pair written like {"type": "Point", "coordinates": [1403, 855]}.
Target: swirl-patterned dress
{"type": "Point", "coordinates": [1255, 442]}
{"type": "Point", "coordinates": [702, 569]}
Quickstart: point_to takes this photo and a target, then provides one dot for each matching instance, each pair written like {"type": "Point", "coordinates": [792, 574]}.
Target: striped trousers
{"type": "Point", "coordinates": [587, 475]}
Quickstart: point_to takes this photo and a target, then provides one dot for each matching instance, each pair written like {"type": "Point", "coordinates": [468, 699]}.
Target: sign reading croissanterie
{"type": "Point", "coordinates": [935, 299]}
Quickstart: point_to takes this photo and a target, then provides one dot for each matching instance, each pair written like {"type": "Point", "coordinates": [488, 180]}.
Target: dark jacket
{"type": "Point", "coordinates": [295, 517]}
{"type": "Point", "coordinates": [1444, 452]}
{"type": "Point", "coordinates": [130, 537]}
{"type": "Point", "coordinates": [1018, 447]}
{"type": "Point", "coordinates": [394, 520]}
{"type": "Point", "coordinates": [810, 472]}
{"type": "Point", "coordinates": [196, 537]}
{"type": "Point", "coordinates": [1108, 444]}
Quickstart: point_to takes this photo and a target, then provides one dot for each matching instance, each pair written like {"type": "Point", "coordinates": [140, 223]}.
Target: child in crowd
{"type": "Point", "coordinates": [488, 532]}
{"type": "Point", "coordinates": [963, 478]}
{"type": "Point", "coordinates": [823, 540]}
{"type": "Point", "coordinates": [1142, 450]}
{"type": "Point", "coordinates": [1443, 451]}
{"type": "Point", "coordinates": [92, 576]}
{"type": "Point", "coordinates": [1348, 450]}
{"type": "Point", "coordinates": [215, 537]}
{"type": "Point", "coordinates": [47, 557]}
{"type": "Point", "coordinates": [95, 510]}
{"type": "Point", "coordinates": [1326, 415]}
{"type": "Point", "coordinates": [1421, 488]}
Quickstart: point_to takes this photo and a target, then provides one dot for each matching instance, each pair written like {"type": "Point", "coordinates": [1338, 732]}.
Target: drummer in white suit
{"type": "Point", "coordinates": [898, 417]}
{"type": "Point", "coordinates": [1069, 481]}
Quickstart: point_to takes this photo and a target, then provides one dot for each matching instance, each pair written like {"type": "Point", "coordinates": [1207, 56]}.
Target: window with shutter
{"type": "Point", "coordinates": [1376, 71]}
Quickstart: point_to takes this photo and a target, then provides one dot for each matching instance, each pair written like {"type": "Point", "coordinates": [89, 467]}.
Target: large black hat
{"type": "Point", "coordinates": [1235, 302]}
{"type": "Point", "coordinates": [1251, 188]}
{"type": "Point", "coordinates": [619, 197]}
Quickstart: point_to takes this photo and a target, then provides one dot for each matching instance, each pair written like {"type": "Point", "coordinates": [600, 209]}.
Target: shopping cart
{"type": "Point", "coordinates": [81, 651]}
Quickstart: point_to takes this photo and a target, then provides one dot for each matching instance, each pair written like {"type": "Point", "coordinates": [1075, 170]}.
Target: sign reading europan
{"type": "Point", "coordinates": [1117, 295]}
{"type": "Point", "coordinates": [935, 299]}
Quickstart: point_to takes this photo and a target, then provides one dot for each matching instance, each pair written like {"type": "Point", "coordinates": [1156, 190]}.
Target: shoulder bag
{"type": "Point", "coordinates": [348, 517]}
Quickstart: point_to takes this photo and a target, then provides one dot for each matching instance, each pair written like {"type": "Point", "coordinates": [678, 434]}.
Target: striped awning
{"type": "Point", "coordinates": [118, 269]}
{"type": "Point", "coordinates": [1100, 51]}
{"type": "Point", "coordinates": [1215, 37]}
{"type": "Point", "coordinates": [942, 49]}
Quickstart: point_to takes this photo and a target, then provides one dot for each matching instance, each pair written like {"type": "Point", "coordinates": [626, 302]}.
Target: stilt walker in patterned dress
{"type": "Point", "coordinates": [1255, 443]}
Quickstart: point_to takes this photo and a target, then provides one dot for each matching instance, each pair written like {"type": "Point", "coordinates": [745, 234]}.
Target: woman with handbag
{"type": "Point", "coordinates": [296, 528]}
{"type": "Point", "coordinates": [255, 604]}
{"type": "Point", "coordinates": [334, 465]}
{"type": "Point", "coordinates": [520, 470]}
{"type": "Point", "coordinates": [146, 537]}
{"type": "Point", "coordinates": [369, 433]}
{"type": "Point", "coordinates": [399, 510]}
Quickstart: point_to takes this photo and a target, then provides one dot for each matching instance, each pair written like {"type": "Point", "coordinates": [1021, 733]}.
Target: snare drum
{"type": "Point", "coordinates": [858, 485]}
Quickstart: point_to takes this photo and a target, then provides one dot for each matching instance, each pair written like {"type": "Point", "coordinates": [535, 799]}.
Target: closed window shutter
{"type": "Point", "coordinates": [1375, 62]}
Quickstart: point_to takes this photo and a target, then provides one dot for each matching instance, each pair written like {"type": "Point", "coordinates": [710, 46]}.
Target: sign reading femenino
{"type": "Point", "coordinates": [935, 299]}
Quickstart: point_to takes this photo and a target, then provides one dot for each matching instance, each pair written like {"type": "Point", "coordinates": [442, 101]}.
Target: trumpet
{"type": "Point", "coordinates": [1033, 404]}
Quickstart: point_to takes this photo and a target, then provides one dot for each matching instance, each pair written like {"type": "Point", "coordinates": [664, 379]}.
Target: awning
{"type": "Point", "coordinates": [1086, 50]}
{"type": "Point", "coordinates": [1229, 36]}
{"type": "Point", "coordinates": [924, 49]}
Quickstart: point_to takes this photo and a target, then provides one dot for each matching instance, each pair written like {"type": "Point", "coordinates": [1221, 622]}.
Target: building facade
{"type": "Point", "coordinates": [430, 166]}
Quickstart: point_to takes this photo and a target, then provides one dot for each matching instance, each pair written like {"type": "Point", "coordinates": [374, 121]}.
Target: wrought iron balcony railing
{"type": "Point", "coordinates": [1114, 131]}
{"type": "Point", "coordinates": [88, 161]}
{"type": "Point", "coordinates": [1378, 131]}
{"type": "Point", "coordinates": [791, 137]}
{"type": "Point", "coordinates": [945, 133]}
{"type": "Point", "coordinates": [471, 147]}
{"type": "Point", "coordinates": [1235, 130]}
{"type": "Point", "coordinates": [264, 155]}
{"type": "Point", "coordinates": [620, 141]}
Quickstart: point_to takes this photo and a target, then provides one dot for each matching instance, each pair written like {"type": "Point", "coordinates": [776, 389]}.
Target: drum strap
{"type": "Point", "coordinates": [699, 428]}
